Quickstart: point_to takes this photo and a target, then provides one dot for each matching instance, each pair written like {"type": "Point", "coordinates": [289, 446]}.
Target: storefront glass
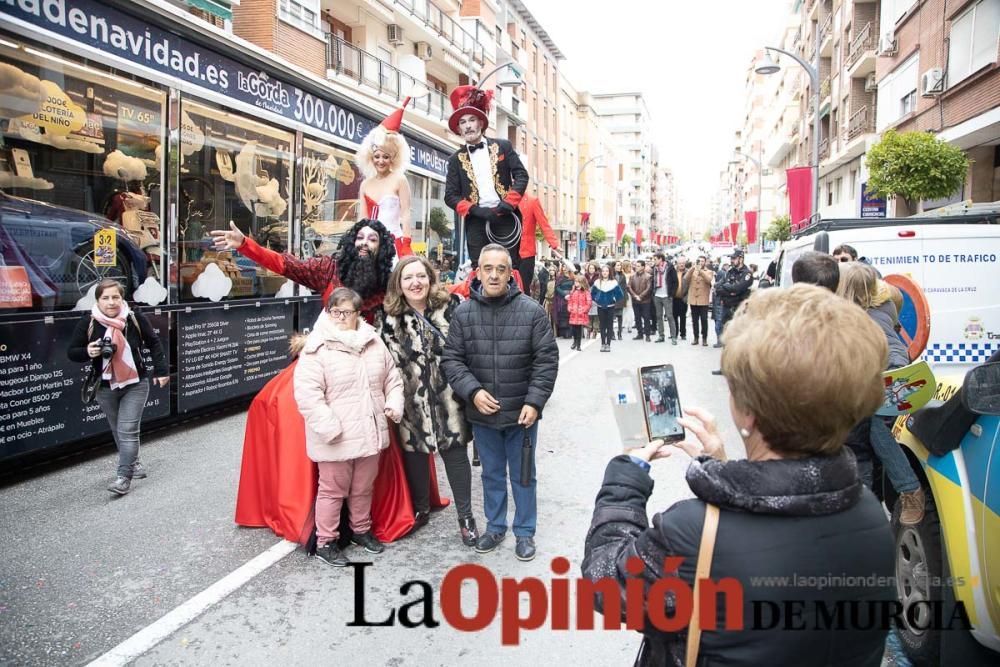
{"type": "Point", "coordinates": [418, 212]}
{"type": "Point", "coordinates": [89, 143]}
{"type": "Point", "coordinates": [232, 169]}
{"type": "Point", "coordinates": [330, 184]}
{"type": "Point", "coordinates": [440, 222]}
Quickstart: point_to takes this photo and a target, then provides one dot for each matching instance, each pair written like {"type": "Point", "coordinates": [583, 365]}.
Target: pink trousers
{"type": "Point", "coordinates": [352, 480]}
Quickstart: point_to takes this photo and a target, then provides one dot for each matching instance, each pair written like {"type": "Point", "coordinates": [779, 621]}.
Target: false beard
{"type": "Point", "coordinates": [362, 276]}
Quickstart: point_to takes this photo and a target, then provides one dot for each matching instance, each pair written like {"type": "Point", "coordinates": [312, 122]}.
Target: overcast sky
{"type": "Point", "coordinates": [688, 58]}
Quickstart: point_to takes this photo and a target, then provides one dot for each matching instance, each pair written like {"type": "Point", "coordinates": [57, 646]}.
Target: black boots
{"type": "Point", "coordinates": [470, 534]}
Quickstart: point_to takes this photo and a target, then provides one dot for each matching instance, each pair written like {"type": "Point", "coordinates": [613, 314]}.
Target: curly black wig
{"type": "Point", "coordinates": [366, 277]}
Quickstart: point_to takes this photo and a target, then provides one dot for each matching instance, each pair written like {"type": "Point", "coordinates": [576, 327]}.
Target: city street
{"type": "Point", "coordinates": [83, 571]}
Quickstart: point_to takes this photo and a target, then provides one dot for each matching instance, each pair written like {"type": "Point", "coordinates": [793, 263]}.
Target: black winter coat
{"type": "Point", "coordinates": [78, 344]}
{"type": "Point", "coordinates": [505, 346]}
{"type": "Point", "coordinates": [806, 517]}
{"type": "Point", "coordinates": [736, 286]}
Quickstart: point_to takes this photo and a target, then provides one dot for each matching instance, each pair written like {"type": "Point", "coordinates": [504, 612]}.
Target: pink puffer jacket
{"type": "Point", "coordinates": [344, 381]}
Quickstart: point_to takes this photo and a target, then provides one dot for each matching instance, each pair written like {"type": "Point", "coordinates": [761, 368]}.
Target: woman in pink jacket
{"type": "Point", "coordinates": [578, 304]}
{"type": "Point", "coordinates": [347, 387]}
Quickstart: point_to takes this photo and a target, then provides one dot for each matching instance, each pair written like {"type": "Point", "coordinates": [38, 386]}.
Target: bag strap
{"type": "Point", "coordinates": [702, 569]}
{"type": "Point", "coordinates": [430, 324]}
{"type": "Point", "coordinates": [135, 321]}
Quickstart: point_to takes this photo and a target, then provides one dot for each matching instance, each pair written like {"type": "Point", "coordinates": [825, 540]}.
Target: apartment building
{"type": "Point", "coordinates": [626, 117]}
{"type": "Point", "coordinates": [595, 194]}
{"type": "Point", "coordinates": [937, 70]}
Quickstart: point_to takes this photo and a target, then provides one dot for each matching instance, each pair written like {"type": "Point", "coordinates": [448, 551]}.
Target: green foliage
{"type": "Point", "coordinates": [627, 240]}
{"type": "Point", "coordinates": [598, 235]}
{"type": "Point", "coordinates": [438, 222]}
{"type": "Point", "coordinates": [741, 240]}
{"type": "Point", "coordinates": [707, 236]}
{"type": "Point", "coordinates": [915, 166]}
{"type": "Point", "coordinates": [780, 229]}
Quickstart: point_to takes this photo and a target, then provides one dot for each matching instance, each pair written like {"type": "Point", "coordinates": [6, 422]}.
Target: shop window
{"type": "Point", "coordinates": [89, 143]}
{"type": "Point", "coordinates": [232, 169]}
{"type": "Point", "coordinates": [418, 209]}
{"type": "Point", "coordinates": [440, 224]}
{"type": "Point", "coordinates": [330, 183]}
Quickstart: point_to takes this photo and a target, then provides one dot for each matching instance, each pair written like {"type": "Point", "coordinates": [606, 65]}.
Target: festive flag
{"type": "Point", "coordinates": [619, 232]}
{"type": "Point", "coordinates": [751, 218]}
{"type": "Point", "coordinates": [800, 191]}
{"type": "Point", "coordinates": [638, 236]}
{"type": "Point", "coordinates": [734, 231]}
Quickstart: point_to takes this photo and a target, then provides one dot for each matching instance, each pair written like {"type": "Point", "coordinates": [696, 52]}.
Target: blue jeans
{"type": "Point", "coordinates": [500, 451]}
{"type": "Point", "coordinates": [123, 408]}
{"type": "Point", "coordinates": [894, 462]}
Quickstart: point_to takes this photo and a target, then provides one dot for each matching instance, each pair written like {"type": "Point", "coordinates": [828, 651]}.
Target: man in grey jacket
{"type": "Point", "coordinates": [502, 360]}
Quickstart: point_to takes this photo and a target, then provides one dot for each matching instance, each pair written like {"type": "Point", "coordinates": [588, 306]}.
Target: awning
{"type": "Point", "coordinates": [220, 8]}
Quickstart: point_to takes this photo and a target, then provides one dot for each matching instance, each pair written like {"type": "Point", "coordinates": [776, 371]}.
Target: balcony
{"type": "Point", "coordinates": [345, 59]}
{"type": "Point", "coordinates": [860, 122]}
{"type": "Point", "coordinates": [434, 18]}
{"type": "Point", "coordinates": [824, 148]}
{"type": "Point", "coordinates": [826, 37]}
{"type": "Point", "coordinates": [861, 57]}
{"type": "Point", "coordinates": [812, 8]}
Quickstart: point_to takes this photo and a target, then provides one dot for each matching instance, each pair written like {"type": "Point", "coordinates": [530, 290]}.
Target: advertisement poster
{"type": "Point", "coordinates": [871, 206]}
{"type": "Point", "coordinates": [106, 248]}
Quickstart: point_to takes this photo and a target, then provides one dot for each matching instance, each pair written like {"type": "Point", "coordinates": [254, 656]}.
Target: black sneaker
{"type": "Point", "coordinates": [488, 542]}
{"type": "Point", "coordinates": [673, 341]}
{"type": "Point", "coordinates": [121, 486]}
{"type": "Point", "coordinates": [661, 339]}
{"type": "Point", "coordinates": [639, 337]}
{"type": "Point", "coordinates": [470, 534]}
{"type": "Point", "coordinates": [139, 471]}
{"type": "Point", "coordinates": [525, 549]}
{"type": "Point", "coordinates": [717, 371]}
{"type": "Point", "coordinates": [332, 555]}
{"type": "Point", "coordinates": [717, 345]}
{"type": "Point", "coordinates": [369, 542]}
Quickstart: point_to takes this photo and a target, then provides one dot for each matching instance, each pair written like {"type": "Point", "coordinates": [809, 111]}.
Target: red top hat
{"type": "Point", "coordinates": [470, 100]}
{"type": "Point", "coordinates": [394, 121]}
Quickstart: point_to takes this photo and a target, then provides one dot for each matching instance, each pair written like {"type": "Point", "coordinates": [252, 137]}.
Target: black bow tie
{"type": "Point", "coordinates": [475, 147]}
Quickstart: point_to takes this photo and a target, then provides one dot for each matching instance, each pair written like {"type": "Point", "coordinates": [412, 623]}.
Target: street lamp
{"type": "Point", "coordinates": [760, 187]}
{"type": "Point", "coordinates": [768, 66]}
{"type": "Point", "coordinates": [577, 190]}
{"type": "Point", "coordinates": [512, 81]}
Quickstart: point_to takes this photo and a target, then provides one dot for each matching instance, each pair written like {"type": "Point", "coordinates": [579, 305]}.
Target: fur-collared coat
{"type": "Point", "coordinates": [433, 418]}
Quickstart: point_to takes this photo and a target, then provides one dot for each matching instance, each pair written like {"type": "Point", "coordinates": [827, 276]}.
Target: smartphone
{"type": "Point", "coordinates": [661, 403]}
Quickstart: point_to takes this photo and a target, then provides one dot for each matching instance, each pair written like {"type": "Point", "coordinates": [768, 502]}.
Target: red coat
{"type": "Point", "coordinates": [532, 213]}
{"type": "Point", "coordinates": [578, 304]}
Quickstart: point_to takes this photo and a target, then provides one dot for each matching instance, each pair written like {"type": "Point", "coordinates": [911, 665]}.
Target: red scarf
{"type": "Point", "coordinates": [121, 370]}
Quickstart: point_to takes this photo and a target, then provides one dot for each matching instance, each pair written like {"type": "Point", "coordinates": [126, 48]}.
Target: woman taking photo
{"type": "Point", "coordinates": [418, 311]}
{"type": "Point", "coordinates": [793, 508]}
{"type": "Point", "coordinates": [112, 337]}
{"type": "Point", "coordinates": [605, 293]}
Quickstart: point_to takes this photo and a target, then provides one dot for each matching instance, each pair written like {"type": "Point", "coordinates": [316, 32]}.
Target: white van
{"type": "Point", "coordinates": [956, 260]}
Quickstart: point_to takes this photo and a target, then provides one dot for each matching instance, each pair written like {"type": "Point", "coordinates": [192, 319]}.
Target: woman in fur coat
{"type": "Point", "coordinates": [417, 313]}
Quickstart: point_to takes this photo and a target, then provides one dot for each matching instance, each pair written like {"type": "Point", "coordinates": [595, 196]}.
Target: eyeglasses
{"type": "Point", "coordinates": [843, 259]}
{"type": "Point", "coordinates": [341, 314]}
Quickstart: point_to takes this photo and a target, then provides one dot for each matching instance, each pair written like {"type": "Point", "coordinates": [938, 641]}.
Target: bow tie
{"type": "Point", "coordinates": [475, 147]}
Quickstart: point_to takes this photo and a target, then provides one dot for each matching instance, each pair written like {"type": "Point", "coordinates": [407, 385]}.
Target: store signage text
{"type": "Point", "coordinates": [111, 31]}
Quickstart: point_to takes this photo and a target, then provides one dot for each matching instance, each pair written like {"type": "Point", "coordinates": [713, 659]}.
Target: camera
{"type": "Point", "coordinates": [107, 348]}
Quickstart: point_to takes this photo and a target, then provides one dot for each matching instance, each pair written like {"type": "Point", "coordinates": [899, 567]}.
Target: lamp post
{"type": "Point", "coordinates": [760, 184]}
{"type": "Point", "coordinates": [770, 67]}
{"type": "Point", "coordinates": [577, 191]}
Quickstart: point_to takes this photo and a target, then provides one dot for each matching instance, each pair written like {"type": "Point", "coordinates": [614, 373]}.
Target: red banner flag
{"type": "Point", "coordinates": [725, 233]}
{"type": "Point", "coordinates": [638, 236]}
{"type": "Point", "coordinates": [734, 231]}
{"type": "Point", "coordinates": [751, 218]}
{"type": "Point", "coordinates": [799, 196]}
{"type": "Point", "coordinates": [619, 232]}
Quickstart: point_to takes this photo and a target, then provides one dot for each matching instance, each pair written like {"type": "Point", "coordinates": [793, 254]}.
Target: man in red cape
{"type": "Point", "coordinates": [277, 480]}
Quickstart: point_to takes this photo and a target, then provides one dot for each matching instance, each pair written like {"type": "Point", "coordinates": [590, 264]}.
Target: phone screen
{"type": "Point", "coordinates": [661, 402]}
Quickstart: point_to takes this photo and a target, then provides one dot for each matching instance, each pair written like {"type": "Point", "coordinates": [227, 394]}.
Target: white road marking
{"type": "Point", "coordinates": [174, 620]}
{"type": "Point", "coordinates": [153, 634]}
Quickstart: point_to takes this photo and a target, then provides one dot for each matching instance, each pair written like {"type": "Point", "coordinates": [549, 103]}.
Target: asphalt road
{"type": "Point", "coordinates": [82, 572]}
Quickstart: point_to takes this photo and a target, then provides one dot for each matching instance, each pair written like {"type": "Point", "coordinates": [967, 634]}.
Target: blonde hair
{"type": "Point", "coordinates": [807, 365]}
{"type": "Point", "coordinates": [395, 303]}
{"type": "Point", "coordinates": [581, 281]}
{"type": "Point", "coordinates": [393, 143]}
{"type": "Point", "coordinates": [858, 284]}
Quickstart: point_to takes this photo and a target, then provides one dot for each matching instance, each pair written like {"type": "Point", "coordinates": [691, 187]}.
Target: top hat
{"type": "Point", "coordinates": [470, 100]}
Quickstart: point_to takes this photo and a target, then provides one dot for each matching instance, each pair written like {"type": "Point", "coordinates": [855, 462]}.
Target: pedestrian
{"type": "Point", "coordinates": [543, 282]}
{"type": "Point", "coordinates": [699, 279]}
{"type": "Point", "coordinates": [859, 284]}
{"type": "Point", "coordinates": [720, 275]}
{"type": "Point", "coordinates": [579, 306]}
{"type": "Point", "coordinates": [626, 272]}
{"type": "Point", "coordinates": [560, 314]}
{"type": "Point", "coordinates": [533, 217]}
{"type": "Point", "coordinates": [111, 337]}
{"type": "Point", "coordinates": [347, 388]}
{"type": "Point", "coordinates": [486, 178]}
{"type": "Point", "coordinates": [592, 273]}
{"type": "Point", "coordinates": [640, 288]}
{"type": "Point", "coordinates": [418, 314]}
{"type": "Point", "coordinates": [733, 291]}
{"type": "Point", "coordinates": [664, 287]}
{"type": "Point", "coordinates": [616, 273]}
{"type": "Point", "coordinates": [502, 360]}
{"type": "Point", "coordinates": [794, 509]}
{"type": "Point", "coordinates": [679, 306]}
{"type": "Point", "coordinates": [605, 293]}
{"type": "Point", "coordinates": [845, 253]}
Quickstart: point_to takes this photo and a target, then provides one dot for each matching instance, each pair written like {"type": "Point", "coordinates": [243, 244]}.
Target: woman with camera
{"type": "Point", "coordinates": [791, 531]}
{"type": "Point", "coordinates": [112, 337]}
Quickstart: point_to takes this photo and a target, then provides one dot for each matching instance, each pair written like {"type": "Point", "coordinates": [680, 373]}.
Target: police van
{"type": "Point", "coordinates": [955, 259]}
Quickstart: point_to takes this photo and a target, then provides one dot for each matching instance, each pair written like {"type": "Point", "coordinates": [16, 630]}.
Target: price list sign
{"type": "Point", "coordinates": [224, 354]}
